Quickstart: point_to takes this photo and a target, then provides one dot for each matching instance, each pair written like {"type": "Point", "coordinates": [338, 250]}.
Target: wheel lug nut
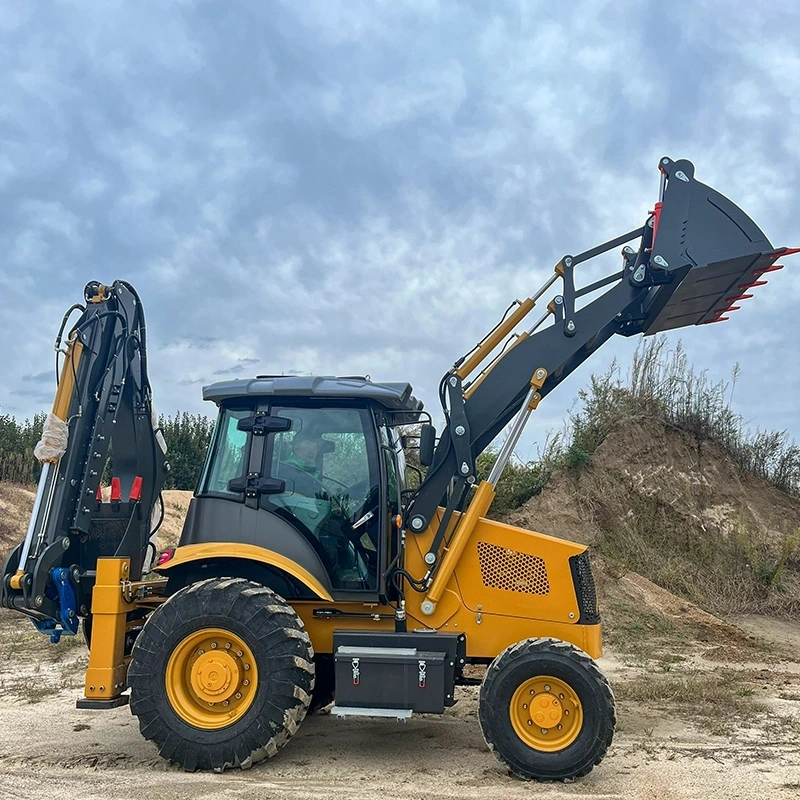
{"type": "Point", "coordinates": [246, 666]}
{"type": "Point", "coordinates": [547, 687]}
{"type": "Point", "coordinates": [544, 731]}
{"type": "Point", "coordinates": [238, 695]}
{"type": "Point", "coordinates": [560, 726]}
{"type": "Point", "coordinates": [246, 682]}
{"type": "Point", "coordinates": [239, 653]}
{"type": "Point", "coordinates": [200, 652]}
{"type": "Point", "coordinates": [213, 645]}
{"type": "Point", "coordinates": [524, 705]}
{"type": "Point", "coordinates": [566, 713]}
{"type": "Point", "coordinates": [225, 702]}
{"type": "Point", "coordinates": [227, 645]}
{"type": "Point", "coordinates": [530, 722]}
{"type": "Point", "coordinates": [561, 696]}
{"type": "Point", "coordinates": [211, 704]}
{"type": "Point", "coordinates": [533, 692]}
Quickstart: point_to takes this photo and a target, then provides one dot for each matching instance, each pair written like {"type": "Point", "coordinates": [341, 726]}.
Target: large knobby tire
{"type": "Point", "coordinates": [546, 710]}
{"type": "Point", "coordinates": [221, 675]}
{"type": "Point", "coordinates": [324, 683]}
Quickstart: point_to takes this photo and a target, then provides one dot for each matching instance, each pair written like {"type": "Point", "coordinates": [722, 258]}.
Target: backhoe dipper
{"type": "Point", "coordinates": [308, 571]}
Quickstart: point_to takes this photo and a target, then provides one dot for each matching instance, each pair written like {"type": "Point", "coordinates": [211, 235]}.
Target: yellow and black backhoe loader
{"type": "Point", "coordinates": [308, 572]}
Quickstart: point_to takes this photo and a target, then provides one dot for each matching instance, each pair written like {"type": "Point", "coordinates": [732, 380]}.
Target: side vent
{"type": "Point", "coordinates": [584, 588]}
{"type": "Point", "coordinates": [502, 568]}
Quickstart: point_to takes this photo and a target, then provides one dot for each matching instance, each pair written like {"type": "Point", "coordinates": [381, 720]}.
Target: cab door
{"type": "Point", "coordinates": [329, 461]}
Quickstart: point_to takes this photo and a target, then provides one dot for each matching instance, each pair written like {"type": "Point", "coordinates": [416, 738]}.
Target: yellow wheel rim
{"type": "Point", "coordinates": [546, 714]}
{"type": "Point", "coordinates": [211, 679]}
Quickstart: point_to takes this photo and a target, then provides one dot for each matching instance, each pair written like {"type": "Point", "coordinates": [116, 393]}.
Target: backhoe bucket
{"type": "Point", "coordinates": [715, 252]}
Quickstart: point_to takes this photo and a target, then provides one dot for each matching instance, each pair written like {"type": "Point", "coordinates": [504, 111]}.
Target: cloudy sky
{"type": "Point", "coordinates": [350, 187]}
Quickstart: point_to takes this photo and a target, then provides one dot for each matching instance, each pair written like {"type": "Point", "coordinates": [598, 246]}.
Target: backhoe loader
{"type": "Point", "coordinates": [309, 570]}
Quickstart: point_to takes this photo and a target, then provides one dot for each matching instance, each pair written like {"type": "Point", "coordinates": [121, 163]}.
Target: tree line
{"type": "Point", "coordinates": [187, 437]}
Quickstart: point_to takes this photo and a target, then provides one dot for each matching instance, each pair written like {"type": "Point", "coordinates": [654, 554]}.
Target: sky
{"type": "Point", "coordinates": [362, 187]}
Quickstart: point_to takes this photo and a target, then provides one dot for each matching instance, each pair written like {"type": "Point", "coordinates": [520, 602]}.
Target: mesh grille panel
{"type": "Point", "coordinates": [585, 589]}
{"type": "Point", "coordinates": [516, 572]}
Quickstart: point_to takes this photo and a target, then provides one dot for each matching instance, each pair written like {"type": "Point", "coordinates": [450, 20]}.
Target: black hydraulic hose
{"type": "Point", "coordinates": [163, 514]}
{"type": "Point", "coordinates": [142, 334]}
{"type": "Point", "coordinates": [60, 335]}
{"type": "Point", "coordinates": [416, 585]}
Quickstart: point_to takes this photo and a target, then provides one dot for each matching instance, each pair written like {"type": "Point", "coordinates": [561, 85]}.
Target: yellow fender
{"type": "Point", "coordinates": [192, 553]}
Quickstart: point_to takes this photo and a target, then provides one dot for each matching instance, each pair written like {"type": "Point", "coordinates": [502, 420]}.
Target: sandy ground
{"type": "Point", "coordinates": [47, 746]}
{"type": "Point", "coordinates": [662, 750]}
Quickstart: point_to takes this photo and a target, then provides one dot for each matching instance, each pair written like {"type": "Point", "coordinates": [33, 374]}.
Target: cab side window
{"type": "Point", "coordinates": [228, 455]}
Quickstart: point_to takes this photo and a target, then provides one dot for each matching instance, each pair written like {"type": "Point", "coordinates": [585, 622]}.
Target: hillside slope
{"type": "Point", "coordinates": [678, 510]}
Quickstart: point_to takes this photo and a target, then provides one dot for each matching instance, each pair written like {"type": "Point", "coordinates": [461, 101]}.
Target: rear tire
{"type": "Point", "coordinates": [324, 683]}
{"type": "Point", "coordinates": [221, 675]}
{"type": "Point", "coordinates": [546, 710]}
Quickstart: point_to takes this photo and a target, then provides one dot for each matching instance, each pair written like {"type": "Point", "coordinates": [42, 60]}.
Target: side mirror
{"type": "Point", "coordinates": [427, 444]}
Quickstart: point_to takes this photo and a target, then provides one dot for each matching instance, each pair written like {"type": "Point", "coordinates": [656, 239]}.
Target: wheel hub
{"type": "Point", "coordinates": [546, 713]}
{"type": "Point", "coordinates": [211, 678]}
{"type": "Point", "coordinates": [546, 710]}
{"type": "Point", "coordinates": [215, 676]}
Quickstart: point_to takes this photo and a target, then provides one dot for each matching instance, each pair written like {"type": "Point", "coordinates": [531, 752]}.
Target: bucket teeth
{"type": "Point", "coordinates": [763, 270]}
{"type": "Point", "coordinates": [706, 253]}
{"type": "Point", "coordinates": [736, 298]}
{"type": "Point", "coordinates": [752, 284]}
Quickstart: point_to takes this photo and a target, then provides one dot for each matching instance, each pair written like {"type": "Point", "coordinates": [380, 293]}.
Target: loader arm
{"type": "Point", "coordinates": [103, 406]}
{"type": "Point", "coordinates": [698, 255]}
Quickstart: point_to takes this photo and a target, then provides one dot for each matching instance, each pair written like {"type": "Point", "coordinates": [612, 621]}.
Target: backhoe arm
{"type": "Point", "coordinates": [102, 407]}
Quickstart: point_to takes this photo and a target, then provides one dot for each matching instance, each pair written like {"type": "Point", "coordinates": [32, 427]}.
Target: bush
{"type": "Point", "coordinates": [663, 385]}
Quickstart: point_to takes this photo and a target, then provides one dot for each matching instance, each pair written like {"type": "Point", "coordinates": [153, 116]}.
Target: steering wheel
{"type": "Point", "coordinates": [304, 482]}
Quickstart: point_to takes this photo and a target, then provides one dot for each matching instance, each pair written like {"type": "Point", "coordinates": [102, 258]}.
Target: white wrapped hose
{"type": "Point", "coordinates": [53, 443]}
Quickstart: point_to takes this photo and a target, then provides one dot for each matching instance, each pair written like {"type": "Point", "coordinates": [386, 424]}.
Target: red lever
{"type": "Point", "coordinates": [116, 490]}
{"type": "Point", "coordinates": [136, 490]}
{"type": "Point", "coordinates": [99, 495]}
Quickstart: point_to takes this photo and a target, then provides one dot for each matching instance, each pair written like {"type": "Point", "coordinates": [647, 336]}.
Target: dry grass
{"type": "Point", "coordinates": [743, 571]}
{"type": "Point", "coordinates": [716, 702]}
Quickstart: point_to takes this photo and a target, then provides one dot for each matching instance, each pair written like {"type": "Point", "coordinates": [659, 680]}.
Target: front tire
{"type": "Point", "coordinates": [546, 710]}
{"type": "Point", "coordinates": [221, 675]}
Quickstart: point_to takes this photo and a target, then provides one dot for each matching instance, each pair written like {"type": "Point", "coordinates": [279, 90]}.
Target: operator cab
{"type": "Point", "coordinates": [311, 468]}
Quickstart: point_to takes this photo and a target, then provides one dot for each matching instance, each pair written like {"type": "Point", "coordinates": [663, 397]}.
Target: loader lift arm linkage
{"type": "Point", "coordinates": [698, 256]}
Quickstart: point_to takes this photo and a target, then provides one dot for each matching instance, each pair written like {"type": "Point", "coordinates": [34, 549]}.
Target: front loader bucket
{"type": "Point", "coordinates": [713, 250]}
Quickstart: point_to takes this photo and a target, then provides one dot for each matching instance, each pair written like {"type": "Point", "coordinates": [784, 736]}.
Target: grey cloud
{"type": "Point", "coordinates": [230, 371]}
{"type": "Point", "coordinates": [41, 377]}
{"type": "Point", "coordinates": [350, 187]}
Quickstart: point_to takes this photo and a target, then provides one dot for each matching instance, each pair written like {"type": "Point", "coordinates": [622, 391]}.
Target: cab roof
{"type": "Point", "coordinates": [393, 396]}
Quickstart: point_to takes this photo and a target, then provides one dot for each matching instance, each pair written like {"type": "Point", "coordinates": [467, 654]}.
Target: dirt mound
{"type": "Point", "coordinates": [176, 504]}
{"type": "Point", "coordinates": [679, 510]}
{"type": "Point", "coordinates": [694, 478]}
{"type": "Point", "coordinates": [16, 503]}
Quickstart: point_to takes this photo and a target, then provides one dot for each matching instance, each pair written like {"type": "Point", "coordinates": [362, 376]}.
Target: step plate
{"type": "Point", "coordinates": [400, 714]}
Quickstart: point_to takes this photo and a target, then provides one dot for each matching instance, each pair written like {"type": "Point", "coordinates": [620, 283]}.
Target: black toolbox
{"type": "Point", "coordinates": [413, 671]}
